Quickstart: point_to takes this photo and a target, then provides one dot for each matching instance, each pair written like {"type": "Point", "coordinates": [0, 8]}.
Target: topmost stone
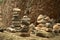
{"type": "Point", "coordinates": [16, 9]}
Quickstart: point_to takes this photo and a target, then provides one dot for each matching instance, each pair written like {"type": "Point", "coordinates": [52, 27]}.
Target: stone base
{"type": "Point", "coordinates": [44, 34]}
{"type": "Point", "coordinates": [25, 35]}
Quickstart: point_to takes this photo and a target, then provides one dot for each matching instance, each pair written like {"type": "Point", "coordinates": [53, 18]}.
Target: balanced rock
{"type": "Point", "coordinates": [40, 18]}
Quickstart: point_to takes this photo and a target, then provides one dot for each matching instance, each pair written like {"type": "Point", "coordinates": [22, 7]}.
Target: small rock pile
{"type": "Point", "coordinates": [46, 26]}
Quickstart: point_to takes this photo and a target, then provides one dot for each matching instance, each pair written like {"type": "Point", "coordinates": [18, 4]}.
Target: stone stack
{"type": "Point", "coordinates": [46, 20]}
{"type": "Point", "coordinates": [25, 22]}
{"type": "Point", "coordinates": [15, 19]}
{"type": "Point", "coordinates": [44, 27]}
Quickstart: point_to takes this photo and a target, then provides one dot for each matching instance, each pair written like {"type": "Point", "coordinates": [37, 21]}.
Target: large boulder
{"type": "Point", "coordinates": [45, 34]}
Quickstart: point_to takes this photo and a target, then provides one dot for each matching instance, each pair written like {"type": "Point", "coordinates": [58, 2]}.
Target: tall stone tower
{"type": "Point", "coordinates": [15, 21]}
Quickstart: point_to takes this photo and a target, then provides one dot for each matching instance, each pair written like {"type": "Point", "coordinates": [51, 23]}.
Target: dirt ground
{"type": "Point", "coordinates": [16, 36]}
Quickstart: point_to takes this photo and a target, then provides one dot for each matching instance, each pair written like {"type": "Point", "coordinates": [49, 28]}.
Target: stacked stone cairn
{"type": "Point", "coordinates": [25, 29]}
{"type": "Point", "coordinates": [45, 26]}
{"type": "Point", "coordinates": [15, 25]}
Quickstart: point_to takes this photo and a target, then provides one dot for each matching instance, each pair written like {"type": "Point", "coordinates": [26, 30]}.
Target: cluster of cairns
{"type": "Point", "coordinates": [46, 26]}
